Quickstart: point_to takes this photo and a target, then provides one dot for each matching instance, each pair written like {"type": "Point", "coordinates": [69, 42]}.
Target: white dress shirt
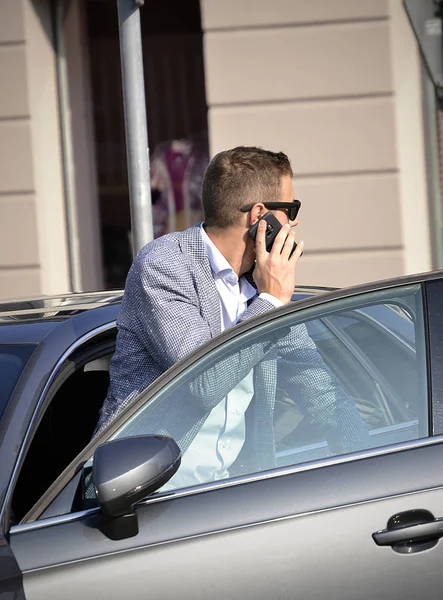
{"type": "Point", "coordinates": [219, 441]}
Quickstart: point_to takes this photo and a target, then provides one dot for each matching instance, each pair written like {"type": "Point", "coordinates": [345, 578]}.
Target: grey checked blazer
{"type": "Point", "coordinates": [170, 307]}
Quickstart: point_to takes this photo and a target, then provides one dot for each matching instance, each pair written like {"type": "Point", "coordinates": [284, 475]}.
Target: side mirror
{"type": "Point", "coordinates": [125, 471]}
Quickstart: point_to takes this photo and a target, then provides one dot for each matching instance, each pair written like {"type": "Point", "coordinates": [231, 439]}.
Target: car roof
{"type": "Point", "coordinates": [55, 308]}
{"type": "Point", "coordinates": [61, 307]}
{"type": "Point", "coordinates": [25, 321]}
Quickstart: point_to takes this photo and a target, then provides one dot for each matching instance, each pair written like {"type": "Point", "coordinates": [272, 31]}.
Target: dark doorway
{"type": "Point", "coordinates": [177, 121]}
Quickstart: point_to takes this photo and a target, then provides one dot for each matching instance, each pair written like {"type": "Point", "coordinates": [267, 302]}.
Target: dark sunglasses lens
{"type": "Point", "coordinates": [293, 212]}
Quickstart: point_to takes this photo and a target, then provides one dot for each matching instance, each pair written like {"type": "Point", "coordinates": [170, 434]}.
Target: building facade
{"type": "Point", "coordinates": [336, 84]}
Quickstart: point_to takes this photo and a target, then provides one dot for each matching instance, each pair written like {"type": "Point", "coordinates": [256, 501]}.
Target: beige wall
{"type": "Point", "coordinates": [327, 81]}
{"type": "Point", "coordinates": [33, 256]}
{"type": "Point", "coordinates": [46, 148]}
{"type": "Point", "coordinates": [19, 252]}
{"type": "Point", "coordinates": [85, 219]}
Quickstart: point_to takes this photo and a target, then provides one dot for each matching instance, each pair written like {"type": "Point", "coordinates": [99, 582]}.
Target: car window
{"type": "Point", "coordinates": [13, 358]}
{"type": "Point", "coordinates": [336, 378]}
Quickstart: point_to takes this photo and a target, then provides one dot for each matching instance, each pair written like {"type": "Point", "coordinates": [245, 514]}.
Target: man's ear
{"type": "Point", "coordinates": [257, 211]}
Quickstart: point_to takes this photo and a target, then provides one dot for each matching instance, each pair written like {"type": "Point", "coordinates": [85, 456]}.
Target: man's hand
{"type": "Point", "coordinates": [274, 271]}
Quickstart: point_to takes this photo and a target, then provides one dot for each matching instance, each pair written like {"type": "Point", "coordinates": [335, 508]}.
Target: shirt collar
{"type": "Point", "coordinates": [220, 266]}
{"type": "Point", "coordinates": [218, 262]}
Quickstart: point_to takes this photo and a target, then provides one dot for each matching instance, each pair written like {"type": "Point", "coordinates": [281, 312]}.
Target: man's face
{"type": "Point", "coordinates": [287, 195]}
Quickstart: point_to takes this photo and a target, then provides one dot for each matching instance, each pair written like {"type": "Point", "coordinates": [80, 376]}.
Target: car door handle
{"type": "Point", "coordinates": [409, 533]}
{"type": "Point", "coordinates": [410, 526]}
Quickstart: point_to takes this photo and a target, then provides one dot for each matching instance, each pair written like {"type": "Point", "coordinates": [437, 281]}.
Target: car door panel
{"type": "Point", "coordinates": [289, 535]}
{"type": "Point", "coordinates": [304, 557]}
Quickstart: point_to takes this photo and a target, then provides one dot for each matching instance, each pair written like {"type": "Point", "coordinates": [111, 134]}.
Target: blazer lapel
{"type": "Point", "coordinates": [191, 243]}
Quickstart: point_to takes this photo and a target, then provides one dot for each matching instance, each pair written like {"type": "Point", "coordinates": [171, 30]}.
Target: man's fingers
{"type": "Point", "coordinates": [280, 239]}
{"type": "Point", "coordinates": [288, 245]}
{"type": "Point", "coordinates": [297, 252]}
{"type": "Point", "coordinates": [260, 240]}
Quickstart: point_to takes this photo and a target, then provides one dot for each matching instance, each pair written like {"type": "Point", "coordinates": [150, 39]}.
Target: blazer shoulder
{"type": "Point", "coordinates": [165, 249]}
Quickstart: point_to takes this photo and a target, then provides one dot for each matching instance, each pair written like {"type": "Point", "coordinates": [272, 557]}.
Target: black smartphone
{"type": "Point", "coordinates": [273, 226]}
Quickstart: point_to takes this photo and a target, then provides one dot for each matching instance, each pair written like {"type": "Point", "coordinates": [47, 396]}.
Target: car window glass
{"type": "Point", "coordinates": [13, 359]}
{"type": "Point", "coordinates": [339, 377]}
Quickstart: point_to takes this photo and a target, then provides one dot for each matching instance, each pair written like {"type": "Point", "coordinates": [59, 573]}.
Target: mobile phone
{"type": "Point", "coordinates": [273, 226]}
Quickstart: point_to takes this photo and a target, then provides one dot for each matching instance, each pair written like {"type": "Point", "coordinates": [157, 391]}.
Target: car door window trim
{"type": "Point", "coordinates": [434, 316]}
{"type": "Point", "coordinates": [426, 332]}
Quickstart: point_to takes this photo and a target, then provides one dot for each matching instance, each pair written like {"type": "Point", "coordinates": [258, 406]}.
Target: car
{"type": "Point", "coordinates": [86, 516]}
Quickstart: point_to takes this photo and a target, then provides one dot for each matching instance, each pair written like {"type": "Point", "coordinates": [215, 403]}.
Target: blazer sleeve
{"type": "Point", "coordinates": [257, 307]}
{"type": "Point", "coordinates": [210, 386]}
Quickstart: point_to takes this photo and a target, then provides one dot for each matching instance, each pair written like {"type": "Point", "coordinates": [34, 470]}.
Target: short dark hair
{"type": "Point", "coordinates": [241, 176]}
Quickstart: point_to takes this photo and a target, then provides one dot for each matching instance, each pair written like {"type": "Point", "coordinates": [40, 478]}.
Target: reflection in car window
{"type": "Point", "coordinates": [13, 359]}
{"type": "Point", "coordinates": [339, 377]}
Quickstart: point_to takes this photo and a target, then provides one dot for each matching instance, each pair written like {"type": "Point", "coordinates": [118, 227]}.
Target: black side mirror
{"type": "Point", "coordinates": [125, 471]}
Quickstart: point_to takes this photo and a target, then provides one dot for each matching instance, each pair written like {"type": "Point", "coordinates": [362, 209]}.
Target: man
{"type": "Point", "coordinates": [185, 288]}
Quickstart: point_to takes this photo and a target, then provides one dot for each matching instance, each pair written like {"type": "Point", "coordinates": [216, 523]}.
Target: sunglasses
{"type": "Point", "coordinates": [292, 208]}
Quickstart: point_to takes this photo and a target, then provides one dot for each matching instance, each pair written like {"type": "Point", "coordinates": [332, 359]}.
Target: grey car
{"type": "Point", "coordinates": [101, 518]}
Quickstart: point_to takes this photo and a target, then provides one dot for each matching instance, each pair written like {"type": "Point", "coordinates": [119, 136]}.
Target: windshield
{"type": "Point", "coordinates": [13, 358]}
